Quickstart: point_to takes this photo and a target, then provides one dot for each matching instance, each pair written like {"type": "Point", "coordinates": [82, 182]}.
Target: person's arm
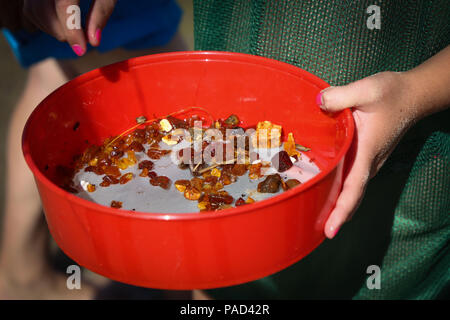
{"type": "Point", "coordinates": [384, 107]}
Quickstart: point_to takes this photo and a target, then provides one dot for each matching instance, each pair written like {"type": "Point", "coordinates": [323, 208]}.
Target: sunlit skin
{"type": "Point", "coordinates": [384, 106]}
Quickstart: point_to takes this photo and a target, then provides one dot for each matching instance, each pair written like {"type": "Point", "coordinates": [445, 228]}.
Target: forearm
{"type": "Point", "coordinates": [430, 83]}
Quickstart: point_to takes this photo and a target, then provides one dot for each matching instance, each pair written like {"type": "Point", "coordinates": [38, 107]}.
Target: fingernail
{"type": "Point", "coordinates": [319, 100]}
{"type": "Point", "coordinates": [335, 232]}
{"type": "Point", "coordinates": [78, 50]}
{"type": "Point", "coordinates": [98, 35]}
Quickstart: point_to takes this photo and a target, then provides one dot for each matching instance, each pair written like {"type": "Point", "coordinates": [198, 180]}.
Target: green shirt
{"type": "Point", "coordinates": [403, 223]}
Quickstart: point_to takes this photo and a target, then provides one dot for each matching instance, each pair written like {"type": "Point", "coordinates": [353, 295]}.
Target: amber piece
{"type": "Point", "coordinates": [267, 135]}
{"type": "Point", "coordinates": [116, 153]}
{"type": "Point", "coordinates": [197, 183]}
{"type": "Point", "coordinates": [144, 173]}
{"type": "Point", "coordinates": [281, 161]}
{"type": "Point", "coordinates": [108, 180]}
{"type": "Point", "coordinates": [227, 179]}
{"type": "Point", "coordinates": [136, 146]}
{"type": "Point", "coordinates": [177, 123]}
{"type": "Point", "coordinates": [284, 186]}
{"type": "Point", "coordinates": [156, 154]}
{"type": "Point", "coordinates": [90, 187]}
{"type": "Point", "coordinates": [232, 120]}
{"type": "Point", "coordinates": [126, 178]}
{"type": "Point", "coordinates": [116, 204]}
{"type": "Point", "coordinates": [152, 174]}
{"type": "Point", "coordinates": [254, 171]}
{"type": "Point", "coordinates": [290, 147]}
{"type": "Point", "coordinates": [239, 169]}
{"type": "Point", "coordinates": [217, 200]}
{"type": "Point", "coordinates": [95, 169]}
{"type": "Point", "coordinates": [270, 185]}
{"type": "Point", "coordinates": [240, 202]}
{"type": "Point", "coordinates": [291, 183]}
{"type": "Point", "coordinates": [112, 171]}
{"type": "Point", "coordinates": [131, 157]}
{"type": "Point", "coordinates": [111, 179]}
{"type": "Point", "coordinates": [215, 172]}
{"type": "Point", "coordinates": [104, 161]}
{"type": "Point", "coordinates": [139, 136]}
{"type": "Point", "coordinates": [181, 185]}
{"type": "Point", "coordinates": [203, 206]}
{"type": "Point", "coordinates": [93, 162]}
{"type": "Point", "coordinates": [249, 200]}
{"type": "Point", "coordinates": [160, 181]}
{"type": "Point", "coordinates": [146, 164]}
{"type": "Point", "coordinates": [211, 180]}
{"type": "Point", "coordinates": [90, 153]}
{"type": "Point", "coordinates": [191, 193]}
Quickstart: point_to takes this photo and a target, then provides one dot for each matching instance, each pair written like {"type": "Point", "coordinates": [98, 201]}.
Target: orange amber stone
{"type": "Point", "coordinates": [126, 178]}
{"type": "Point", "coordinates": [116, 204]}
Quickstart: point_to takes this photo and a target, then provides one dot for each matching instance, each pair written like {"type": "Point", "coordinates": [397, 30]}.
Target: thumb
{"type": "Point", "coordinates": [334, 99]}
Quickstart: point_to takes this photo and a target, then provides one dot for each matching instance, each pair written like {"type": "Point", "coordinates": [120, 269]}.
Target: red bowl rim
{"type": "Point", "coordinates": [195, 55]}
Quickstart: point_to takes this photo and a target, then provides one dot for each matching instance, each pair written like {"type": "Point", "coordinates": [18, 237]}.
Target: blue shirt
{"type": "Point", "coordinates": [133, 25]}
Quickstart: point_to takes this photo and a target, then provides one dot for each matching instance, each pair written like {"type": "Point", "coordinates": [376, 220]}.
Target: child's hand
{"type": "Point", "coordinates": [51, 16]}
{"type": "Point", "coordinates": [383, 108]}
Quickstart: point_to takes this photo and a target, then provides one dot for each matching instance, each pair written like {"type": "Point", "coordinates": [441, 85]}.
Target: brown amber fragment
{"type": "Point", "coordinates": [116, 204]}
{"type": "Point", "coordinates": [116, 154]}
{"type": "Point", "coordinates": [108, 180]}
{"type": "Point", "coordinates": [146, 164]}
{"type": "Point", "coordinates": [291, 183]}
{"type": "Point", "coordinates": [125, 178]}
{"type": "Point", "coordinates": [136, 146]}
{"type": "Point", "coordinates": [156, 154]}
{"type": "Point", "coordinates": [227, 179]}
{"type": "Point", "coordinates": [197, 183]}
{"type": "Point", "coordinates": [217, 200]}
{"type": "Point", "coordinates": [270, 185]}
{"type": "Point", "coordinates": [91, 187]}
{"type": "Point", "coordinates": [144, 173]}
{"type": "Point", "coordinates": [254, 171]}
{"type": "Point", "coordinates": [192, 193]}
{"type": "Point", "coordinates": [160, 181]}
{"type": "Point", "coordinates": [177, 123]}
{"type": "Point", "coordinates": [239, 169]}
{"type": "Point", "coordinates": [232, 120]}
{"type": "Point", "coordinates": [240, 202]}
{"type": "Point", "coordinates": [181, 185]}
{"type": "Point", "coordinates": [97, 170]}
{"type": "Point", "coordinates": [112, 171]}
{"type": "Point", "coordinates": [281, 161]}
{"type": "Point", "coordinates": [152, 174]}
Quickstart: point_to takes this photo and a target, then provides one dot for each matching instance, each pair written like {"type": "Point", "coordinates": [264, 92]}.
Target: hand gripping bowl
{"type": "Point", "coordinates": [191, 250]}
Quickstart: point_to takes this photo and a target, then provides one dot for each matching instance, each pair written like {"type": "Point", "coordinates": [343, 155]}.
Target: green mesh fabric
{"type": "Point", "coordinates": [417, 263]}
{"type": "Point", "coordinates": [402, 224]}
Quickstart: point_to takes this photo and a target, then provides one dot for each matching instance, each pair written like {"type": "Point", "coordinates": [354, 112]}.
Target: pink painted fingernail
{"type": "Point", "coordinates": [98, 35]}
{"type": "Point", "coordinates": [78, 50]}
{"type": "Point", "coordinates": [319, 100]}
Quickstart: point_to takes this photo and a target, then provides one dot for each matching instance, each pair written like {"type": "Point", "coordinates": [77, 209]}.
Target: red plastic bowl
{"type": "Point", "coordinates": [193, 250]}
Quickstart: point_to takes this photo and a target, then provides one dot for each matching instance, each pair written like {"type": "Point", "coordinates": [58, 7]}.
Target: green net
{"type": "Point", "coordinates": [403, 223]}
